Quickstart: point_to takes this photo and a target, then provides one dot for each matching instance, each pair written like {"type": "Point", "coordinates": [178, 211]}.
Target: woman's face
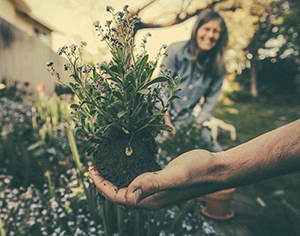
{"type": "Point", "coordinates": [208, 35]}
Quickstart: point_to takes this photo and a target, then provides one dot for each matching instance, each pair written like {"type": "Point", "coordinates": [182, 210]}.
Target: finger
{"type": "Point", "coordinates": [106, 188]}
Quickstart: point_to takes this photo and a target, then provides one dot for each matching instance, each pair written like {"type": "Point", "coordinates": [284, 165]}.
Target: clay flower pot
{"type": "Point", "coordinates": [218, 204]}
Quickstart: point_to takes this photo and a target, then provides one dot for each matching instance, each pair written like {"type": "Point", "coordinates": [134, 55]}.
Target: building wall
{"type": "Point", "coordinates": [24, 57]}
{"type": "Point", "coordinates": [7, 12]}
{"type": "Point", "coordinates": [24, 23]}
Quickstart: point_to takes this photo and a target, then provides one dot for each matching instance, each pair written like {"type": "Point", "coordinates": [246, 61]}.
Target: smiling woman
{"type": "Point", "coordinates": [208, 35]}
{"type": "Point", "coordinates": [200, 64]}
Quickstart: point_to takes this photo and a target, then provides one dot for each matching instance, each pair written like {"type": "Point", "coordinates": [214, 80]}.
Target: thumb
{"type": "Point", "coordinates": [142, 187]}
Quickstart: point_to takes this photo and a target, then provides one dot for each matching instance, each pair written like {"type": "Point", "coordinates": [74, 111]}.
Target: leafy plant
{"type": "Point", "coordinates": [187, 138]}
{"type": "Point", "coordinates": [119, 94]}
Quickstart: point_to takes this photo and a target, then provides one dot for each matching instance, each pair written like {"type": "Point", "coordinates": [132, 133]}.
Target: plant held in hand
{"type": "Point", "coordinates": [120, 104]}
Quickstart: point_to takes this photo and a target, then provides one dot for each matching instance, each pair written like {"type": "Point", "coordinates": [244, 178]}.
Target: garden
{"type": "Point", "coordinates": [45, 189]}
{"type": "Point", "coordinates": [48, 144]}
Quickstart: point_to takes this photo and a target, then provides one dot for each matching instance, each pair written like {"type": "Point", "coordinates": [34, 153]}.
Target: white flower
{"type": "Point", "coordinates": [62, 215]}
{"type": "Point", "coordinates": [70, 223]}
{"type": "Point", "coordinates": [54, 205]}
{"type": "Point", "coordinates": [78, 231]}
{"type": "Point", "coordinates": [44, 212]}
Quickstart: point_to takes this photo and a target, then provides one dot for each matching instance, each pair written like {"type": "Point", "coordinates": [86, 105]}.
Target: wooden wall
{"type": "Point", "coordinates": [23, 58]}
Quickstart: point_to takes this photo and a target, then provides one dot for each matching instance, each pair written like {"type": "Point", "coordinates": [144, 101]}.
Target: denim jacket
{"type": "Point", "coordinates": [194, 84]}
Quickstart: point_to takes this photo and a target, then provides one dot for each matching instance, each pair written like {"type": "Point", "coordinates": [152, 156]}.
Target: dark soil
{"type": "Point", "coordinates": [114, 165]}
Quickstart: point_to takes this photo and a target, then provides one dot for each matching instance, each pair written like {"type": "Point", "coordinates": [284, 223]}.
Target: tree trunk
{"type": "Point", "coordinates": [254, 78]}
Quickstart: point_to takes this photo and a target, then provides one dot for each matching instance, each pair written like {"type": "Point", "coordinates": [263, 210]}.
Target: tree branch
{"type": "Point", "coordinates": [178, 17]}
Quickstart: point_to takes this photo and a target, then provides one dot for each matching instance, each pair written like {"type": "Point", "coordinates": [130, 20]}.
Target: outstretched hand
{"type": "Point", "coordinates": [155, 190]}
{"type": "Point", "coordinates": [200, 172]}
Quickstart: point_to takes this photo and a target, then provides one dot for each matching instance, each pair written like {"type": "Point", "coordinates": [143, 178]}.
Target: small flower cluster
{"type": "Point", "coordinates": [30, 211]}
{"type": "Point", "coordinates": [119, 31]}
{"type": "Point", "coordinates": [15, 117]}
{"type": "Point", "coordinates": [27, 211]}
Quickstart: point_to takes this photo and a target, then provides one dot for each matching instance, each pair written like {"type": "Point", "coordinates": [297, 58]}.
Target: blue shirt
{"type": "Point", "coordinates": [194, 84]}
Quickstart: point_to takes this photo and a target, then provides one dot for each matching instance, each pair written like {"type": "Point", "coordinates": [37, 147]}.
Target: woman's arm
{"type": "Point", "coordinates": [167, 121]}
{"type": "Point", "coordinates": [200, 172]}
{"type": "Point", "coordinates": [210, 101]}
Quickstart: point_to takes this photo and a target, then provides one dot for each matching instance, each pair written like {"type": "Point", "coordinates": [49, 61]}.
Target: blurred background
{"type": "Point", "coordinates": [43, 186]}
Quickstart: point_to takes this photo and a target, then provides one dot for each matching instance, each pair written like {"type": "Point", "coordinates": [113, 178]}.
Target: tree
{"type": "Point", "coordinates": [276, 44]}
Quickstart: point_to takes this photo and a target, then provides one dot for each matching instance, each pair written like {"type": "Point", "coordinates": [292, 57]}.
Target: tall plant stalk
{"type": "Point", "coordinates": [2, 230]}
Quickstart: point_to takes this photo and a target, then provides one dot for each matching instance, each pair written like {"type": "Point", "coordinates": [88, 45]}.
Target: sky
{"type": "Point", "coordinates": [73, 19]}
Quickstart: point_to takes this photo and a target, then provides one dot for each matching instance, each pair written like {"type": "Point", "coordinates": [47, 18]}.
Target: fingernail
{"type": "Point", "coordinates": [136, 196]}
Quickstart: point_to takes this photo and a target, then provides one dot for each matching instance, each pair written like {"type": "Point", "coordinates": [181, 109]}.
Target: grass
{"type": "Point", "coordinates": [252, 120]}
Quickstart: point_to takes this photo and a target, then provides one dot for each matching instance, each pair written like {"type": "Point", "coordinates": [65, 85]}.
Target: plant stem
{"type": "Point", "coordinates": [51, 185]}
{"type": "Point", "coordinates": [103, 212]}
{"type": "Point", "coordinates": [74, 150]}
{"type": "Point", "coordinates": [2, 230]}
{"type": "Point", "coordinates": [120, 216]}
{"type": "Point", "coordinates": [137, 223]}
{"type": "Point", "coordinates": [184, 210]}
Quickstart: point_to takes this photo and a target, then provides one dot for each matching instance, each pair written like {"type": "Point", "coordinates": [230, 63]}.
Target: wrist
{"type": "Point", "coordinates": [213, 172]}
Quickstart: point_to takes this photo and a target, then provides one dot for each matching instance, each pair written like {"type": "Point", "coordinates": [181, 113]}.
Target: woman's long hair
{"type": "Point", "coordinates": [212, 61]}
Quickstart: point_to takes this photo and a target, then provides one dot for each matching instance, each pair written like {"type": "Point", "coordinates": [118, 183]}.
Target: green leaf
{"type": "Point", "coordinates": [160, 79]}
{"type": "Point", "coordinates": [95, 75]}
{"type": "Point", "coordinates": [114, 68]}
{"type": "Point", "coordinates": [93, 111]}
{"type": "Point", "coordinates": [115, 79]}
{"type": "Point", "coordinates": [142, 65]}
{"type": "Point", "coordinates": [143, 91]}
{"type": "Point", "coordinates": [76, 78]}
{"type": "Point", "coordinates": [79, 94]}
{"type": "Point", "coordinates": [82, 121]}
{"type": "Point", "coordinates": [166, 127]}
{"type": "Point", "coordinates": [172, 98]}
{"type": "Point", "coordinates": [150, 72]}
{"type": "Point", "coordinates": [118, 95]}
{"type": "Point", "coordinates": [74, 106]}
{"type": "Point", "coordinates": [87, 102]}
{"type": "Point", "coordinates": [121, 113]}
{"type": "Point", "coordinates": [73, 86]}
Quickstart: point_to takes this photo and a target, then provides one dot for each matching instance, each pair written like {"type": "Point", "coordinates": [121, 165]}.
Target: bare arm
{"type": "Point", "coordinates": [274, 153]}
{"type": "Point", "coordinates": [167, 121]}
{"type": "Point", "coordinates": [200, 172]}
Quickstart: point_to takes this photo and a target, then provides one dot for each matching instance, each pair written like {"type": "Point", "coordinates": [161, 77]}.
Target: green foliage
{"type": "Point", "coordinates": [16, 134]}
{"type": "Point", "coordinates": [241, 96]}
{"type": "Point", "coordinates": [33, 140]}
{"type": "Point", "coordinates": [274, 48]}
{"type": "Point", "coordinates": [13, 90]}
{"type": "Point", "coordinates": [122, 93]}
{"type": "Point", "coordinates": [276, 82]}
{"type": "Point", "coordinates": [65, 203]}
{"type": "Point", "coordinates": [187, 138]}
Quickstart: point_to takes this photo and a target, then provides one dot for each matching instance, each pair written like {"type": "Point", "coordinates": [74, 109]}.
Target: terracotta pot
{"type": "Point", "coordinates": [218, 204]}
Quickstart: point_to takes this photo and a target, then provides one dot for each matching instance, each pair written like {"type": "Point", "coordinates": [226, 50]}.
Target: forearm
{"type": "Point", "coordinates": [272, 154]}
